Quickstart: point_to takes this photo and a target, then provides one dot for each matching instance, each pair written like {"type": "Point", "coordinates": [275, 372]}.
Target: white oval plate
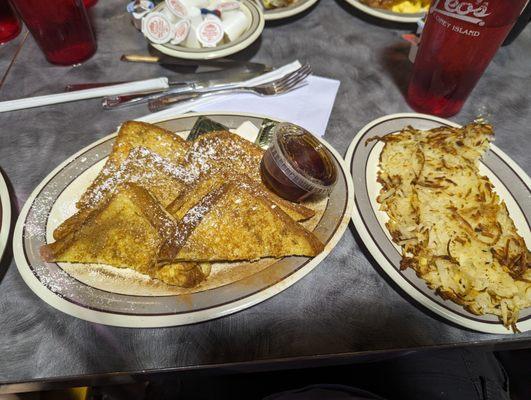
{"type": "Point", "coordinates": [59, 191]}
{"type": "Point", "coordinates": [385, 14]}
{"type": "Point", "coordinates": [254, 30]}
{"type": "Point", "coordinates": [510, 182]}
{"type": "Point", "coordinates": [289, 11]}
{"type": "Point", "coordinates": [5, 215]}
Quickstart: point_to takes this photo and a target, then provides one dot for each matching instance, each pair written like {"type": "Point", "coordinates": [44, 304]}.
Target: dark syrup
{"type": "Point", "coordinates": [307, 156]}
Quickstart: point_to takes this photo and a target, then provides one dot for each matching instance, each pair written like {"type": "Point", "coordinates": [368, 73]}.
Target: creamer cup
{"type": "Point", "coordinates": [179, 8]}
{"type": "Point", "coordinates": [227, 6]}
{"type": "Point", "coordinates": [209, 32]}
{"type": "Point", "coordinates": [197, 3]}
{"type": "Point", "coordinates": [170, 15]}
{"type": "Point", "coordinates": [182, 29]}
{"type": "Point", "coordinates": [157, 28]}
{"type": "Point", "coordinates": [234, 24]}
{"type": "Point", "coordinates": [195, 20]}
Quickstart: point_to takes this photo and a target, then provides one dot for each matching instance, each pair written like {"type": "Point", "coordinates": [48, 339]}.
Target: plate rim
{"type": "Point", "coordinates": [209, 55]}
{"type": "Point", "coordinates": [142, 321]}
{"type": "Point", "coordinates": [5, 214]}
{"type": "Point", "coordinates": [390, 270]}
{"type": "Point", "coordinates": [391, 16]}
{"type": "Point", "coordinates": [289, 13]}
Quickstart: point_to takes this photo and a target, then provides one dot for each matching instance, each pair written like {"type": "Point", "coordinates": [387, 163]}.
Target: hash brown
{"type": "Point", "coordinates": [454, 230]}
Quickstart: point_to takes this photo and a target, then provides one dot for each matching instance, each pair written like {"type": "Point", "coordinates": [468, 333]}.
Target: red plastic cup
{"type": "Point", "coordinates": [9, 23]}
{"type": "Point", "coordinates": [89, 3]}
{"type": "Point", "coordinates": [458, 42]}
{"type": "Point", "coordinates": [61, 28]}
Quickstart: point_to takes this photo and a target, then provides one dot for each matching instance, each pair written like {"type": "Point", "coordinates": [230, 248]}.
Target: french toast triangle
{"type": "Point", "coordinates": [234, 221]}
{"type": "Point", "coordinates": [126, 230]}
{"type": "Point", "coordinates": [134, 134]}
{"type": "Point", "coordinates": [163, 179]}
{"type": "Point", "coordinates": [223, 152]}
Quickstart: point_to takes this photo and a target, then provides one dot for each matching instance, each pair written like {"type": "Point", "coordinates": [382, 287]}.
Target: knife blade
{"type": "Point", "coordinates": [72, 87]}
{"type": "Point", "coordinates": [216, 74]}
{"type": "Point", "coordinates": [163, 59]}
{"type": "Point", "coordinates": [218, 80]}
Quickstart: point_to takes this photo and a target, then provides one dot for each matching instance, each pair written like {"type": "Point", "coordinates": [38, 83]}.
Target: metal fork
{"type": "Point", "coordinates": [282, 85]}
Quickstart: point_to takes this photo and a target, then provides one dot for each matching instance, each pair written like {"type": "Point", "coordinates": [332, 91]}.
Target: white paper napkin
{"type": "Point", "coordinates": [309, 106]}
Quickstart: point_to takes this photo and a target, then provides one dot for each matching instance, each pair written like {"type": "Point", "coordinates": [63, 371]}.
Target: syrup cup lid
{"type": "Point", "coordinates": [300, 178]}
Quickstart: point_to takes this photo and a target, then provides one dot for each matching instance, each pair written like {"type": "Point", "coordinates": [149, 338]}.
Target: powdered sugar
{"type": "Point", "coordinates": [142, 165]}
{"type": "Point", "coordinates": [216, 152]}
{"type": "Point", "coordinates": [35, 226]}
{"type": "Point", "coordinates": [195, 214]}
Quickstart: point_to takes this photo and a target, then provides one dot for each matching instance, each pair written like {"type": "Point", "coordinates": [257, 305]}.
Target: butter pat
{"type": "Point", "coordinates": [247, 130]}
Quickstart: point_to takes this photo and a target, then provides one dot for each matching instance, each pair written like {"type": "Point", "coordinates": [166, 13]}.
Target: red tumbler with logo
{"type": "Point", "coordinates": [9, 23]}
{"type": "Point", "coordinates": [457, 44]}
{"type": "Point", "coordinates": [61, 28]}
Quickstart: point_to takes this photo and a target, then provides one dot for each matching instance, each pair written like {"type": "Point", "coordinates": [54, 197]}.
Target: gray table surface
{"type": "Point", "coordinates": [344, 306]}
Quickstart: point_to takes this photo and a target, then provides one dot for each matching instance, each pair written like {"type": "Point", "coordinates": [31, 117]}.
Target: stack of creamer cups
{"type": "Point", "coordinates": [195, 23]}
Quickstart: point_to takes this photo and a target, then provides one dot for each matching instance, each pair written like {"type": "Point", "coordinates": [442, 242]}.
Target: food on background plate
{"type": "Point", "coordinates": [270, 4]}
{"type": "Point", "coordinates": [454, 230]}
{"type": "Point", "coordinates": [168, 208]}
{"type": "Point", "coordinates": [400, 6]}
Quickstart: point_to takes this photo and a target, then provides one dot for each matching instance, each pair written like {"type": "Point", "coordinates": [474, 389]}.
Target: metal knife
{"type": "Point", "coordinates": [217, 80]}
{"type": "Point", "coordinates": [211, 74]}
{"type": "Point", "coordinates": [163, 59]}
